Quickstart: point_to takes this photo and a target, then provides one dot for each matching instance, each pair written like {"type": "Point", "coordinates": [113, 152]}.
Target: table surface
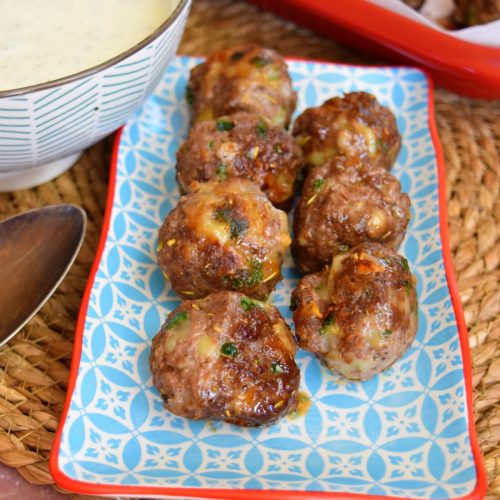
{"type": "Point", "coordinates": [470, 134]}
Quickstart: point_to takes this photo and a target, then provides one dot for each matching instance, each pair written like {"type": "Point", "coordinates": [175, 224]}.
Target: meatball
{"type": "Point", "coordinates": [355, 125]}
{"type": "Point", "coordinates": [360, 315]}
{"type": "Point", "coordinates": [223, 236]}
{"type": "Point", "coordinates": [226, 357]}
{"type": "Point", "coordinates": [241, 145]}
{"type": "Point", "coordinates": [245, 78]}
{"type": "Point", "coordinates": [345, 202]}
{"type": "Point", "coordinates": [474, 12]}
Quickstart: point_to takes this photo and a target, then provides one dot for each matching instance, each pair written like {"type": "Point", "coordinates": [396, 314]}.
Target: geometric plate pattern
{"type": "Point", "coordinates": [402, 434]}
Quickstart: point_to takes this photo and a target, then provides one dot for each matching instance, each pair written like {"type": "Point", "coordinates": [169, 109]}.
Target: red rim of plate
{"type": "Point", "coordinates": [82, 487]}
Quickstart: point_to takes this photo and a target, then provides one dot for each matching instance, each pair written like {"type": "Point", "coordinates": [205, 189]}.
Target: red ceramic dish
{"type": "Point", "coordinates": [465, 68]}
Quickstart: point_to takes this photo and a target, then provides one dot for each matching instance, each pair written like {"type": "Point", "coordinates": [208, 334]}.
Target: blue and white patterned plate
{"type": "Point", "coordinates": [406, 433]}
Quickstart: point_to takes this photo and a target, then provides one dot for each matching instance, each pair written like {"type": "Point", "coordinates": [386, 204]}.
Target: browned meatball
{"type": "Point", "coordinates": [226, 357]}
{"type": "Point", "coordinates": [223, 236]}
{"type": "Point", "coordinates": [360, 315]}
{"type": "Point", "coordinates": [246, 78]}
{"type": "Point", "coordinates": [241, 145]}
{"type": "Point", "coordinates": [354, 126]}
{"type": "Point", "coordinates": [474, 12]}
{"type": "Point", "coordinates": [342, 204]}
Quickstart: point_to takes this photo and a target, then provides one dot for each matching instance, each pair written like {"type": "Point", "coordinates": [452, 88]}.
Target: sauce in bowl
{"type": "Point", "coordinates": [43, 40]}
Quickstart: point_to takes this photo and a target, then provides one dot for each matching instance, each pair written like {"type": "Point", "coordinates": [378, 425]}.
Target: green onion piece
{"type": "Point", "coordinates": [224, 125]}
{"type": "Point", "coordinates": [408, 287]}
{"type": "Point", "coordinates": [278, 148]}
{"type": "Point", "coordinates": [229, 350]}
{"type": "Point", "coordinates": [318, 183]}
{"type": "Point", "coordinates": [236, 226]}
{"type": "Point", "coordinates": [328, 322]}
{"type": "Point", "coordinates": [211, 144]}
{"type": "Point", "coordinates": [248, 304]}
{"type": "Point", "coordinates": [246, 277]}
{"type": "Point", "coordinates": [222, 172]}
{"type": "Point", "coordinates": [175, 320]}
{"type": "Point", "coordinates": [262, 129]}
{"type": "Point", "coordinates": [276, 367]}
{"type": "Point", "coordinates": [259, 61]}
{"type": "Point", "coordinates": [343, 247]}
{"type": "Point", "coordinates": [387, 333]}
{"type": "Point", "coordinates": [404, 263]}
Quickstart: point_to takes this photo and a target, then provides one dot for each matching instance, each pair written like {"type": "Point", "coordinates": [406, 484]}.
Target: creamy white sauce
{"type": "Point", "coordinates": [43, 40]}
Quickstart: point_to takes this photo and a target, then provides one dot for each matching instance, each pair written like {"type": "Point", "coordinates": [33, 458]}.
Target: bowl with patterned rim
{"type": "Point", "coordinates": [45, 127]}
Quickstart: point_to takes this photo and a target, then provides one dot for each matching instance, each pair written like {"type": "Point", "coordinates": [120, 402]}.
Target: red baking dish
{"type": "Point", "coordinates": [467, 68]}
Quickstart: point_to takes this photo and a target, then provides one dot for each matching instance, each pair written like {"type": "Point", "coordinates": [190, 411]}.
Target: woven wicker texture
{"type": "Point", "coordinates": [34, 366]}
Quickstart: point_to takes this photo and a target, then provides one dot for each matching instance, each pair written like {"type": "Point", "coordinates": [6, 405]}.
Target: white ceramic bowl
{"type": "Point", "coordinates": [44, 128]}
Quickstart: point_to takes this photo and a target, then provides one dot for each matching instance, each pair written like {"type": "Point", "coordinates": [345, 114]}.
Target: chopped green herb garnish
{"type": "Point", "coordinates": [259, 61]}
{"type": "Point", "coordinates": [387, 333]}
{"type": "Point", "coordinates": [278, 148]}
{"type": "Point", "coordinates": [211, 144]}
{"type": "Point", "coordinates": [175, 320]}
{"type": "Point", "coordinates": [236, 226]}
{"type": "Point", "coordinates": [224, 125]}
{"type": "Point", "coordinates": [293, 303]}
{"type": "Point", "coordinates": [327, 323]}
{"type": "Point", "coordinates": [189, 95]}
{"type": "Point", "coordinates": [408, 287]}
{"type": "Point", "coordinates": [248, 304]}
{"type": "Point", "coordinates": [229, 350]}
{"type": "Point", "coordinates": [276, 367]}
{"type": "Point", "coordinates": [343, 247]}
{"type": "Point", "coordinates": [222, 171]}
{"type": "Point", "coordinates": [246, 277]}
{"type": "Point", "coordinates": [404, 263]}
{"type": "Point", "coordinates": [262, 129]}
{"type": "Point", "coordinates": [387, 262]}
{"type": "Point", "coordinates": [318, 183]}
{"type": "Point", "coordinates": [223, 214]}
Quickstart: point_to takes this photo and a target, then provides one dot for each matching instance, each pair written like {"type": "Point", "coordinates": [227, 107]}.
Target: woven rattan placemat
{"type": "Point", "coordinates": [34, 366]}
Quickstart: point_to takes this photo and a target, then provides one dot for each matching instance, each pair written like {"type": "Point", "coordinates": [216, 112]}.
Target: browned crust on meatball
{"type": "Point", "coordinates": [241, 145]}
{"type": "Point", "coordinates": [226, 357]}
{"type": "Point", "coordinates": [245, 78]}
{"type": "Point", "coordinates": [360, 315]}
{"type": "Point", "coordinates": [342, 204]}
{"type": "Point", "coordinates": [354, 126]}
{"type": "Point", "coordinates": [223, 236]}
